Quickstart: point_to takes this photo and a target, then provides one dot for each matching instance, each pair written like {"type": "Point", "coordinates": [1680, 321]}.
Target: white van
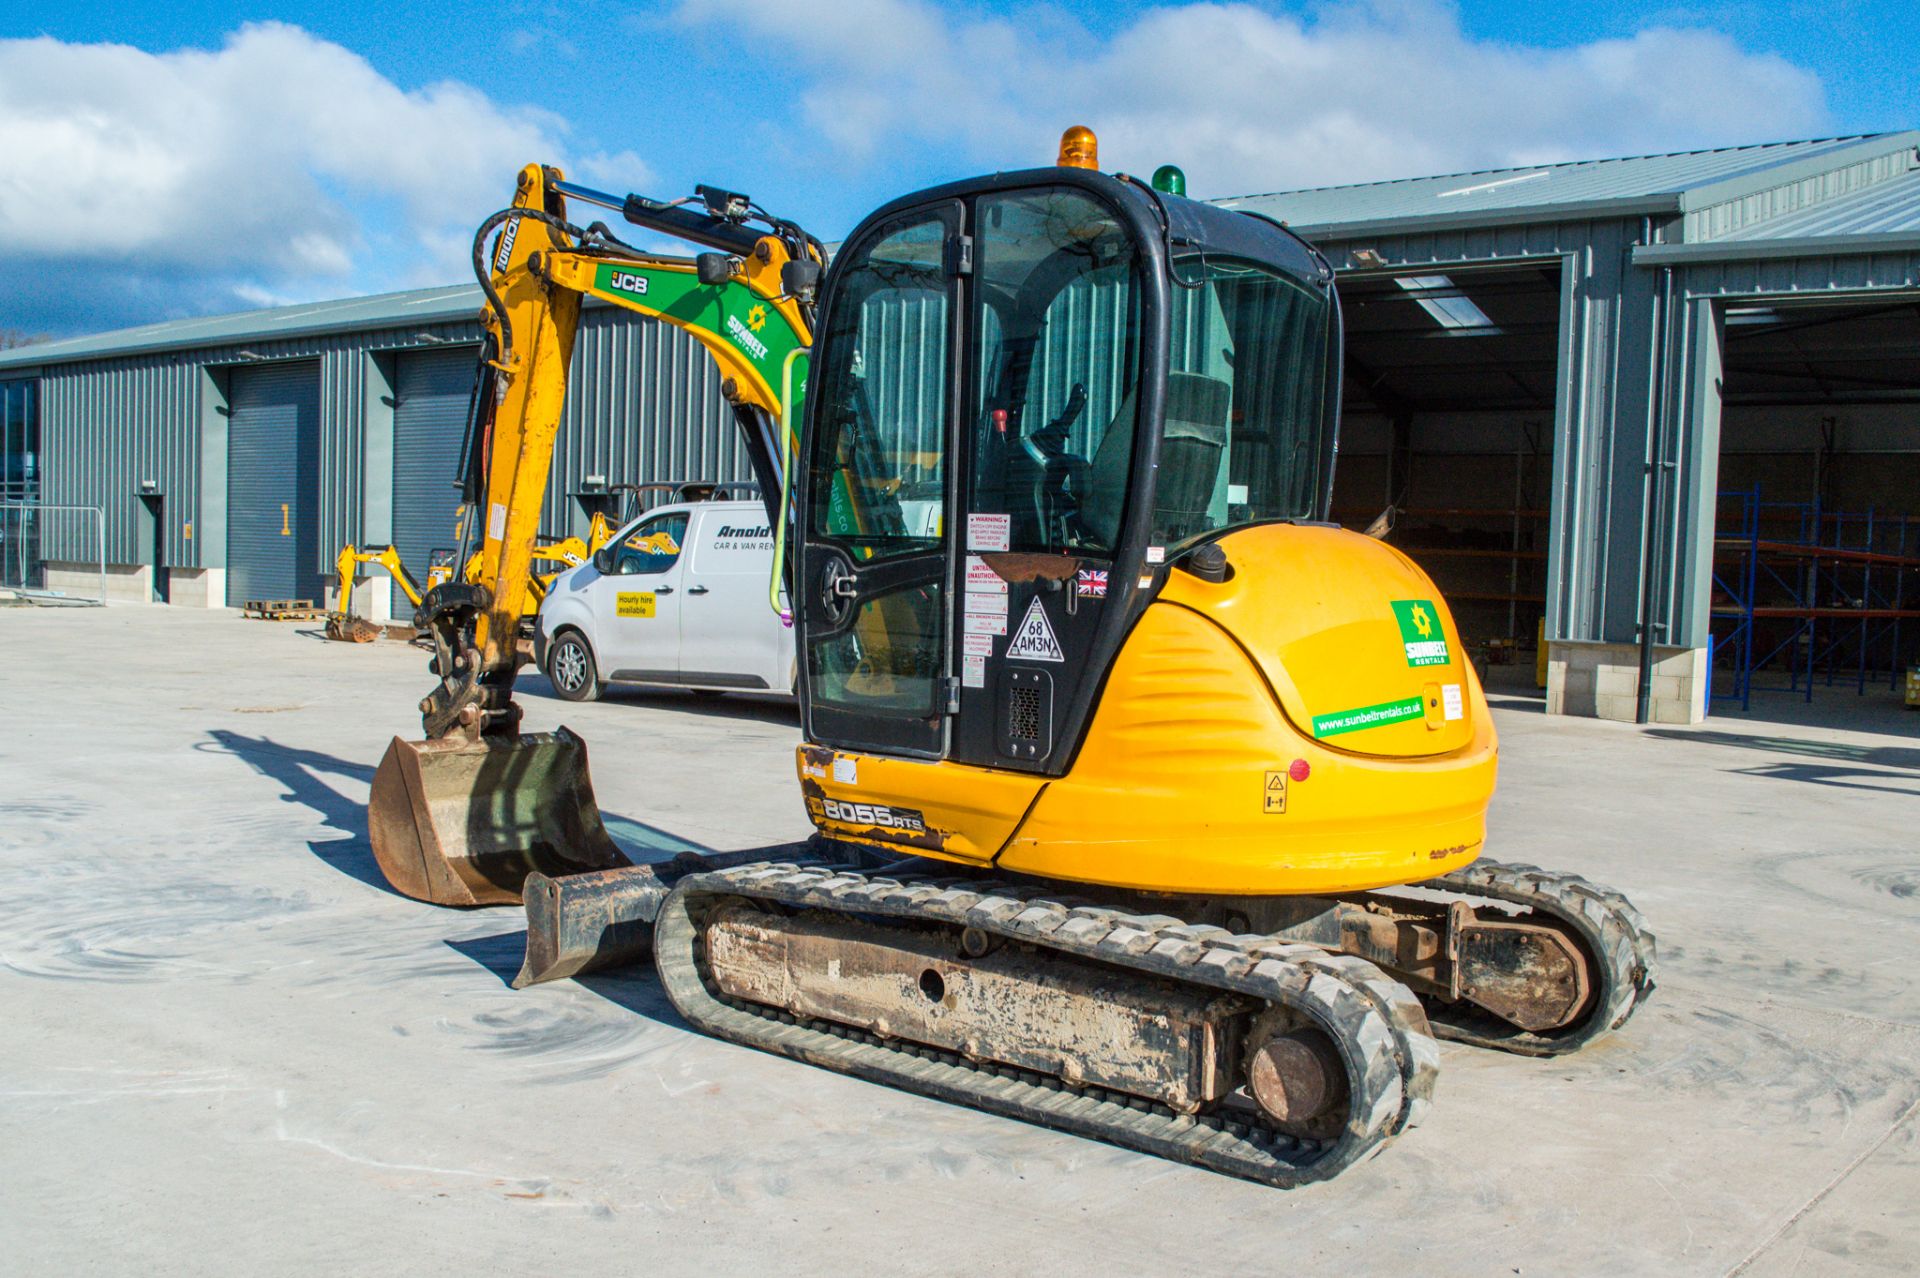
{"type": "Point", "coordinates": [678, 598]}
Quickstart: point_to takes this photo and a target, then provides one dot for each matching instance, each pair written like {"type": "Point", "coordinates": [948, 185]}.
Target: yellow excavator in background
{"type": "Point", "coordinates": [551, 557]}
{"type": "Point", "coordinates": [1119, 755]}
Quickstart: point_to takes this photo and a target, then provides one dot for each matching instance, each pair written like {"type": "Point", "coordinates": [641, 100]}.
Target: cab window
{"type": "Point", "coordinates": [1059, 323]}
{"type": "Point", "coordinates": [652, 547]}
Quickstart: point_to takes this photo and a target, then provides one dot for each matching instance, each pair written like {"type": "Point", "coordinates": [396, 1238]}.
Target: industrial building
{"type": "Point", "coordinates": [1663, 411]}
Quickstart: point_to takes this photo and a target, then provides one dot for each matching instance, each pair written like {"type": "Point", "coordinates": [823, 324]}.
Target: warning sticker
{"type": "Point", "coordinates": [1034, 640]}
{"type": "Point", "coordinates": [973, 672]}
{"type": "Point", "coordinates": [982, 579]}
{"type": "Point", "coordinates": [977, 645]}
{"type": "Point", "coordinates": [988, 532]}
{"type": "Point", "coordinates": [497, 521]}
{"type": "Point", "coordinates": [1420, 632]}
{"type": "Point", "coordinates": [1276, 800]}
{"type": "Point", "coordinates": [633, 603]}
{"type": "Point", "coordinates": [996, 604]}
{"type": "Point", "coordinates": [985, 623]}
{"type": "Point", "coordinates": [1453, 702]}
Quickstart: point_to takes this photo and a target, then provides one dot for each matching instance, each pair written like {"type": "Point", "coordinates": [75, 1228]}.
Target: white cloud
{"type": "Point", "coordinates": [1249, 100]}
{"type": "Point", "coordinates": [276, 167]}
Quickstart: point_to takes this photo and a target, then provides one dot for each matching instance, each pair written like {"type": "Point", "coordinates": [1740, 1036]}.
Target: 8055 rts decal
{"type": "Point", "coordinates": [878, 814]}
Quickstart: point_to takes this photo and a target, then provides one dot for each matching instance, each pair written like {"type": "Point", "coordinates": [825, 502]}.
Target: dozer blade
{"type": "Point", "coordinates": [457, 822]}
{"type": "Point", "coordinates": [582, 922]}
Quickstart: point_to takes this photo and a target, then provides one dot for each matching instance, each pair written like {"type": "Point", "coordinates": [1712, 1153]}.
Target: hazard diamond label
{"type": "Point", "coordinates": [1034, 640]}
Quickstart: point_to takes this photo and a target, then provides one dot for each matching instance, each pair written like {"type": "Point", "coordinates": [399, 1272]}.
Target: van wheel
{"type": "Point", "coordinates": [571, 671]}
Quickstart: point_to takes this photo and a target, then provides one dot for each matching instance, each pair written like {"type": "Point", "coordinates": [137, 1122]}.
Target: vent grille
{"type": "Point", "coordinates": [1024, 722]}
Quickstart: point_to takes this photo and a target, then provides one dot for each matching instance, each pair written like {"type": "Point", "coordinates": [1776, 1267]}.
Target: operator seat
{"type": "Point", "coordinates": [1193, 446]}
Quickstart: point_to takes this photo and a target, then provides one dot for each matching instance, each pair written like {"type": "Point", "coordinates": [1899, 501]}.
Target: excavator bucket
{"type": "Point", "coordinates": [459, 822]}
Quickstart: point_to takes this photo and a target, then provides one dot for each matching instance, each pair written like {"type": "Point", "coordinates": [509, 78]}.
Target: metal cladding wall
{"type": "Point", "coordinates": [431, 393]}
{"type": "Point", "coordinates": [273, 462]}
{"type": "Point", "coordinates": [646, 405]}
{"type": "Point", "coordinates": [108, 424]}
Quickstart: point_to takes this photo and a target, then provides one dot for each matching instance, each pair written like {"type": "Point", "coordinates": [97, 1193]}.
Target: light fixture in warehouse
{"type": "Point", "coordinates": [1747, 315]}
{"type": "Point", "coordinates": [248, 355]}
{"type": "Point", "coordinates": [431, 339]}
{"type": "Point", "coordinates": [1441, 298]}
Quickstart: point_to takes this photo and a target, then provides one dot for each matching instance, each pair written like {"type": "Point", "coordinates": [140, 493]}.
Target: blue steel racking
{"type": "Point", "coordinates": [1826, 593]}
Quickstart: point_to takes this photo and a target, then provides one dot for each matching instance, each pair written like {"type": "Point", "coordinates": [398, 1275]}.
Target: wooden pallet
{"type": "Point", "coordinates": [282, 610]}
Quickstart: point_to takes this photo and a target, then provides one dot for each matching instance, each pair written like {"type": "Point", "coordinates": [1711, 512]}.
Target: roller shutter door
{"type": "Point", "coordinates": [432, 388]}
{"type": "Point", "coordinates": [273, 483]}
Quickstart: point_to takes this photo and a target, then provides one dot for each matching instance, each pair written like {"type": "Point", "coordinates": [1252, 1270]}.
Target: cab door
{"type": "Point", "coordinates": [637, 603]}
{"type": "Point", "coordinates": [875, 573]}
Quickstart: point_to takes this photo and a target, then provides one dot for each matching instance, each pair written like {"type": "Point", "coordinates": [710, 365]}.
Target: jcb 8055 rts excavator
{"type": "Point", "coordinates": [1117, 752]}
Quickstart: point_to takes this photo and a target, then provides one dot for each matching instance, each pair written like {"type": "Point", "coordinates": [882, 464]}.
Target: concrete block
{"type": "Point", "coordinates": [125, 583]}
{"type": "Point", "coordinates": [1612, 681]}
{"type": "Point", "coordinates": [1670, 710]}
{"type": "Point", "coordinates": [1668, 687]}
{"type": "Point", "coordinates": [1611, 706]}
{"type": "Point", "coordinates": [197, 587]}
{"type": "Point", "coordinates": [1575, 680]}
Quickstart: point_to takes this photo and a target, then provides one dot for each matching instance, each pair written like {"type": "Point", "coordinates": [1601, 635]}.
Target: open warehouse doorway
{"type": "Point", "coordinates": [1447, 437]}
{"type": "Point", "coordinates": [1816, 578]}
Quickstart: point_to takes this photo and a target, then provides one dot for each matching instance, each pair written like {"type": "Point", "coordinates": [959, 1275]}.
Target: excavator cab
{"type": "Point", "coordinates": [1096, 381]}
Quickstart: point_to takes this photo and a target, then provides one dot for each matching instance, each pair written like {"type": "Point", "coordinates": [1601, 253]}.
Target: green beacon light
{"type": "Point", "coordinates": [1169, 180]}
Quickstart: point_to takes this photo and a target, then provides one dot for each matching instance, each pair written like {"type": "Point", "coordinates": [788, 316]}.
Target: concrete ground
{"type": "Point", "coordinates": [228, 1048]}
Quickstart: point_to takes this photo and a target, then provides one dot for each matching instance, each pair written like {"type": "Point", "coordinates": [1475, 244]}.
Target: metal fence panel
{"type": "Point", "coordinates": [29, 532]}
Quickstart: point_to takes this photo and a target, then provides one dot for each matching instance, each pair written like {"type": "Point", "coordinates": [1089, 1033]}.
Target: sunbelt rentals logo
{"type": "Point", "coordinates": [744, 339]}
{"type": "Point", "coordinates": [1420, 632]}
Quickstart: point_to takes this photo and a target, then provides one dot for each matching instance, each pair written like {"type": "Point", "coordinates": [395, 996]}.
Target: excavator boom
{"type": "Point", "coordinates": [463, 816]}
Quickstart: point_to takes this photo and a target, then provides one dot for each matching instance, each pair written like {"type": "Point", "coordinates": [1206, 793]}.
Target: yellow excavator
{"type": "Point", "coordinates": [1121, 757]}
{"type": "Point", "coordinates": [551, 557]}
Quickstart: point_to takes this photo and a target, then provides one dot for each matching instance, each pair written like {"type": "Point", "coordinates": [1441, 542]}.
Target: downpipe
{"type": "Point", "coordinates": [1655, 494]}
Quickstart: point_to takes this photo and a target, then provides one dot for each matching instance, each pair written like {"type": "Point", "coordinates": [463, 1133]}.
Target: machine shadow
{"type": "Point", "coordinates": [299, 772]}
{"type": "Point", "coordinates": [1906, 758]}
{"type": "Point", "coordinates": [632, 986]}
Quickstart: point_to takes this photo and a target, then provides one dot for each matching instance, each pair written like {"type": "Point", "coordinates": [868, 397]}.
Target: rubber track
{"type": "Point", "coordinates": [1613, 931]}
{"type": "Point", "coordinates": [1391, 1058]}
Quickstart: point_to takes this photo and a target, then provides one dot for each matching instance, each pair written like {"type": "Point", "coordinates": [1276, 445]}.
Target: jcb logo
{"type": "Point", "coordinates": [873, 814]}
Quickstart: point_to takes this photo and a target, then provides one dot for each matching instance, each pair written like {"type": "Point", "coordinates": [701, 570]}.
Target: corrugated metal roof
{"type": "Point", "coordinates": [1887, 208]}
{"type": "Point", "coordinates": [1648, 182]}
{"type": "Point", "coordinates": [385, 310]}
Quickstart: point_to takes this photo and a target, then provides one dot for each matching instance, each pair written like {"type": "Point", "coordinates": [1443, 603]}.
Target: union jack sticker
{"type": "Point", "coordinates": [1091, 583]}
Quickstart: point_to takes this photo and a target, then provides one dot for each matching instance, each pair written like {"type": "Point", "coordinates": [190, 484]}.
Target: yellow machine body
{"type": "Point", "coordinates": [1274, 733]}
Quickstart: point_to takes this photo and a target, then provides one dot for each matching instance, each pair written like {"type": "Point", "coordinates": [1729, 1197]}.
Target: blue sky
{"type": "Point", "coordinates": [212, 156]}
